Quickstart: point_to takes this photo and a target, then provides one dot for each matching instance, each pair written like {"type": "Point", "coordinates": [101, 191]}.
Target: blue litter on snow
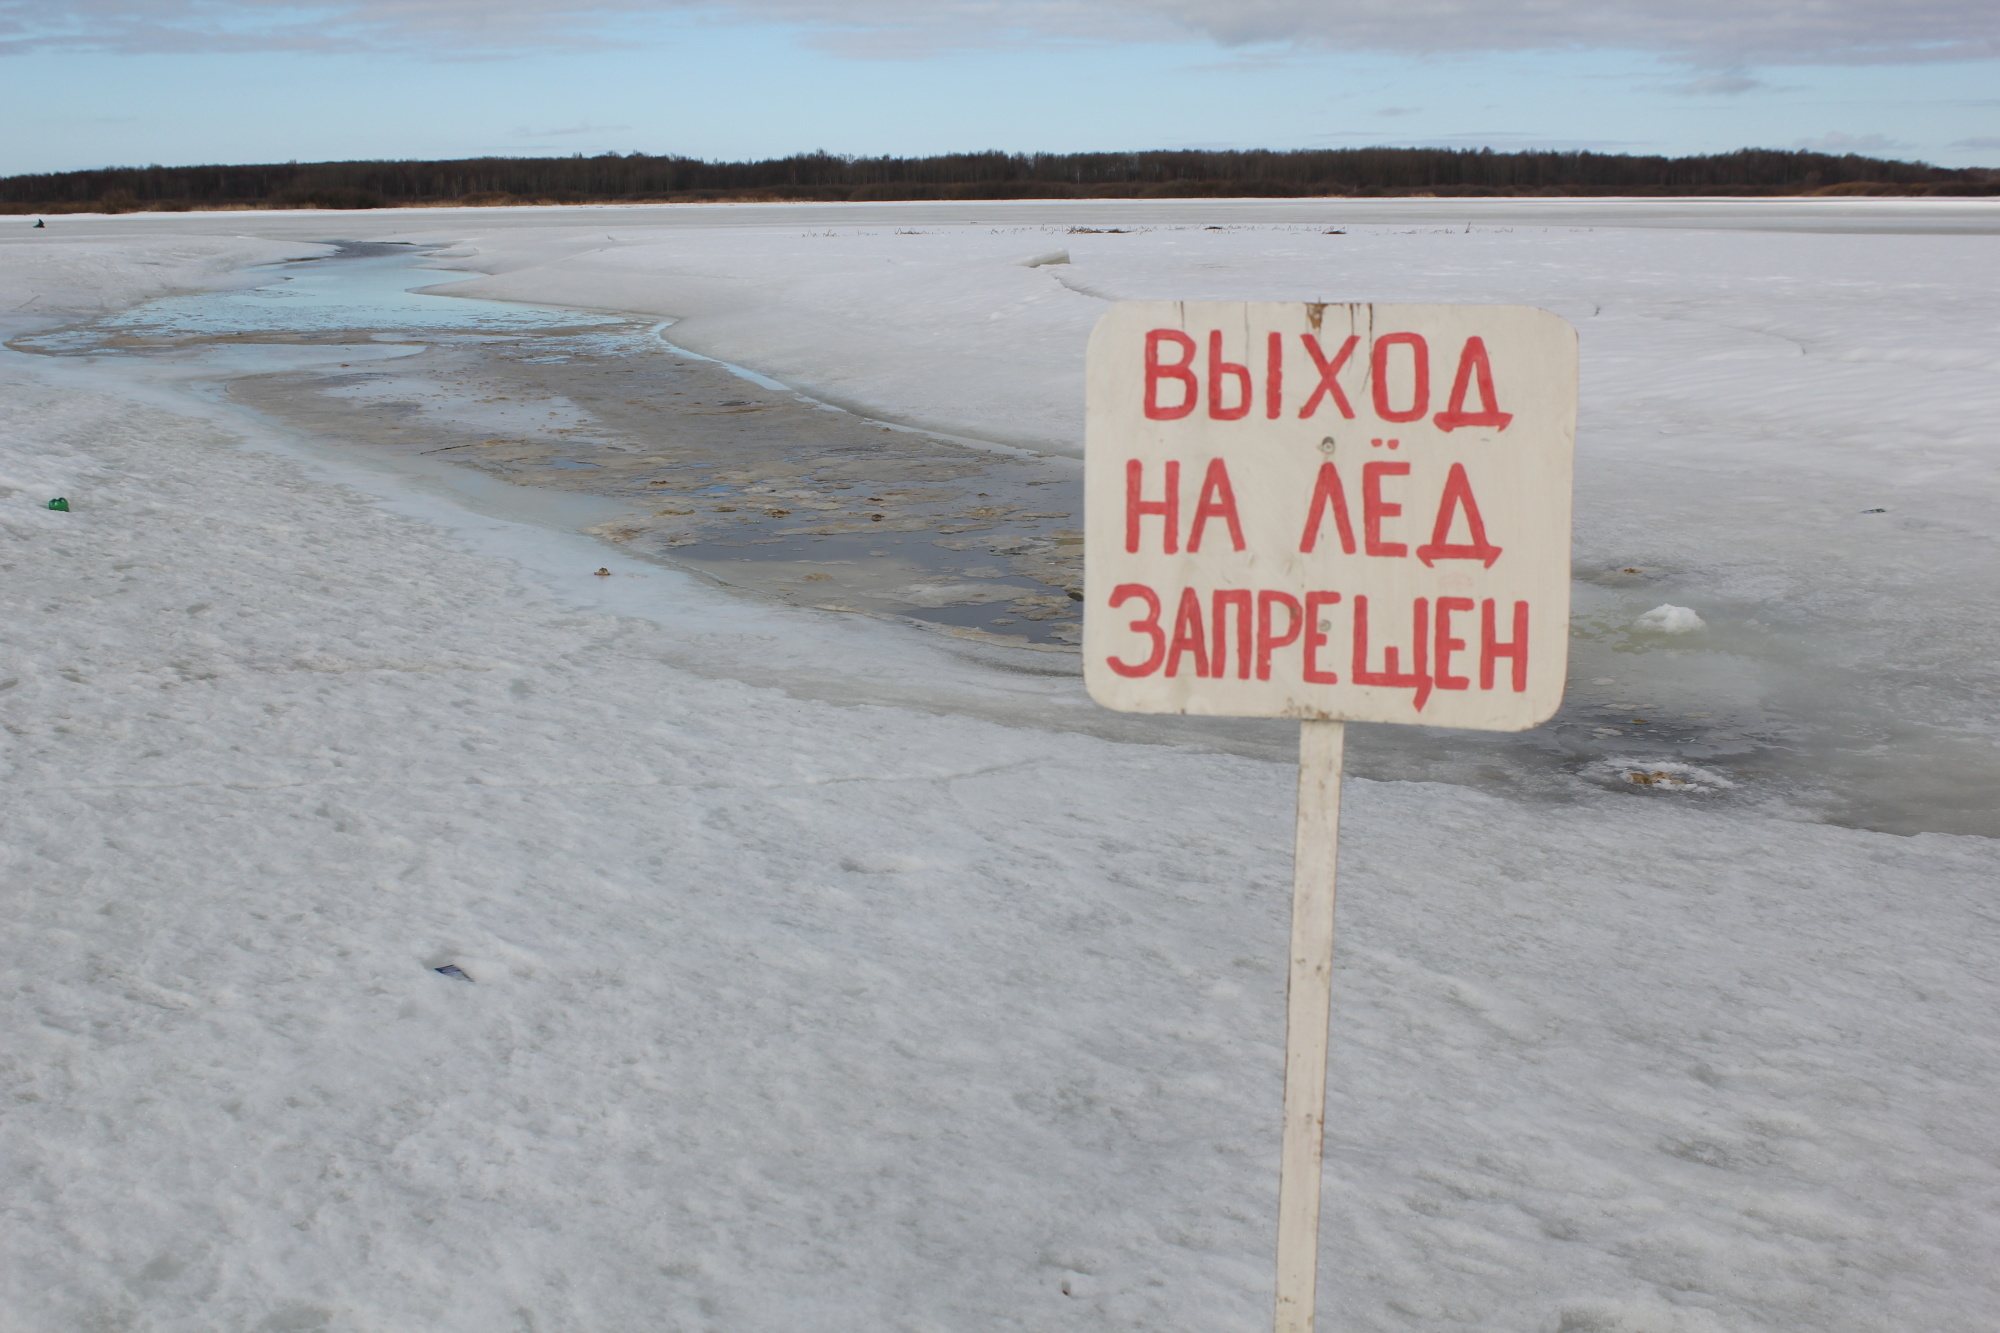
{"type": "Point", "coordinates": [452, 970]}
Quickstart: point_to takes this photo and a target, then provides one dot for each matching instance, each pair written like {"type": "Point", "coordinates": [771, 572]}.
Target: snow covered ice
{"type": "Point", "coordinates": [826, 976]}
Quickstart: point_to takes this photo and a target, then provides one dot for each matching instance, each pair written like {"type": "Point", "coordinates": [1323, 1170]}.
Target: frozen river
{"type": "Point", "coordinates": [1789, 442]}
{"type": "Point", "coordinates": [408, 927]}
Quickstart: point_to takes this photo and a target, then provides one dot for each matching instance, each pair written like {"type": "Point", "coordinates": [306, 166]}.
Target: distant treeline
{"type": "Point", "coordinates": [638, 177]}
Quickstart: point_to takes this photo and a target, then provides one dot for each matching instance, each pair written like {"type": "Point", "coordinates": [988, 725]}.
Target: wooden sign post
{"type": "Point", "coordinates": [1338, 513]}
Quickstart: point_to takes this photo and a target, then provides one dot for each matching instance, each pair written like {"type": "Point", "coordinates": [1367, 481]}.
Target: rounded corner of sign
{"type": "Point", "coordinates": [1541, 715]}
{"type": "Point", "coordinates": [1547, 314]}
{"type": "Point", "coordinates": [1103, 690]}
{"type": "Point", "coordinates": [1118, 695]}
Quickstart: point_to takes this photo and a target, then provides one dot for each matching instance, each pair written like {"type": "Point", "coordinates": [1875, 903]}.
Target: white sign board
{"type": "Point", "coordinates": [1338, 513]}
{"type": "Point", "coordinates": [1333, 512]}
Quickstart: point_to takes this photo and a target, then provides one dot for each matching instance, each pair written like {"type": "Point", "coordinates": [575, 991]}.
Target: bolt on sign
{"type": "Point", "coordinates": [1338, 513]}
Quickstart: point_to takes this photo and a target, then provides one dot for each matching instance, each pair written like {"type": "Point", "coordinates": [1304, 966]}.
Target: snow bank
{"type": "Point", "coordinates": [786, 1013]}
{"type": "Point", "coordinates": [948, 331]}
{"type": "Point", "coordinates": [943, 325]}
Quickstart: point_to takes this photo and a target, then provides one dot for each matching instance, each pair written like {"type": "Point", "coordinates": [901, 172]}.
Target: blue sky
{"type": "Point", "coordinates": [104, 82]}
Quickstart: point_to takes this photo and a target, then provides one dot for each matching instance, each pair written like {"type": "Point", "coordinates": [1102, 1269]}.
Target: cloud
{"type": "Point", "coordinates": [1716, 85]}
{"type": "Point", "coordinates": [1246, 62]}
{"type": "Point", "coordinates": [1398, 110]}
{"type": "Point", "coordinates": [1978, 141]}
{"type": "Point", "coordinates": [443, 29]}
{"type": "Point", "coordinates": [1719, 35]}
{"type": "Point", "coordinates": [1833, 141]}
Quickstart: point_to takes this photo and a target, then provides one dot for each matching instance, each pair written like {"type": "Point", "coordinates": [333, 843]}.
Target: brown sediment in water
{"type": "Point", "coordinates": [758, 488]}
{"type": "Point", "coordinates": [754, 486]}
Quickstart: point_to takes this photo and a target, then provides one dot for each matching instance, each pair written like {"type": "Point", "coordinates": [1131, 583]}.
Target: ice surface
{"type": "Point", "coordinates": [793, 1012]}
{"type": "Point", "coordinates": [1791, 432]}
{"type": "Point", "coordinates": [1787, 430]}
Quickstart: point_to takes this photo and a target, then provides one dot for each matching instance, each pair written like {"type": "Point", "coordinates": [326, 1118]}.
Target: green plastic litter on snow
{"type": "Point", "coordinates": [59, 503]}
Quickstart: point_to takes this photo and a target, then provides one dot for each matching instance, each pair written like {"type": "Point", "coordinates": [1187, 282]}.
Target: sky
{"type": "Point", "coordinates": [92, 83]}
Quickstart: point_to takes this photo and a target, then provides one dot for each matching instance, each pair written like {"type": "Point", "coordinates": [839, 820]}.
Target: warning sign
{"type": "Point", "coordinates": [1335, 512]}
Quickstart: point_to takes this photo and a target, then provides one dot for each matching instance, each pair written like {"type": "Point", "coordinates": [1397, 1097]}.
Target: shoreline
{"type": "Point", "coordinates": [1870, 214]}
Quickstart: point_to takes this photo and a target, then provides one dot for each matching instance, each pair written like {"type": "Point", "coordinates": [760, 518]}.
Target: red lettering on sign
{"type": "Point", "coordinates": [1222, 601]}
{"type": "Point", "coordinates": [1169, 509]}
{"type": "Point", "coordinates": [1149, 625]}
{"type": "Point", "coordinates": [1327, 494]}
{"type": "Point", "coordinates": [1274, 375]}
{"type": "Point", "coordinates": [1217, 369]}
{"type": "Point", "coordinates": [1445, 645]}
{"type": "Point", "coordinates": [1418, 678]}
{"type": "Point", "coordinates": [1458, 496]}
{"type": "Point", "coordinates": [1373, 508]}
{"type": "Point", "coordinates": [1327, 370]}
{"type": "Point", "coordinates": [1378, 375]}
{"type": "Point", "coordinates": [1491, 649]}
{"type": "Point", "coordinates": [1205, 640]}
{"type": "Point", "coordinates": [1157, 370]}
{"type": "Point", "coordinates": [1316, 638]}
{"type": "Point", "coordinates": [1188, 636]}
{"type": "Point", "coordinates": [1472, 363]}
{"type": "Point", "coordinates": [1218, 500]}
{"type": "Point", "coordinates": [1267, 642]}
